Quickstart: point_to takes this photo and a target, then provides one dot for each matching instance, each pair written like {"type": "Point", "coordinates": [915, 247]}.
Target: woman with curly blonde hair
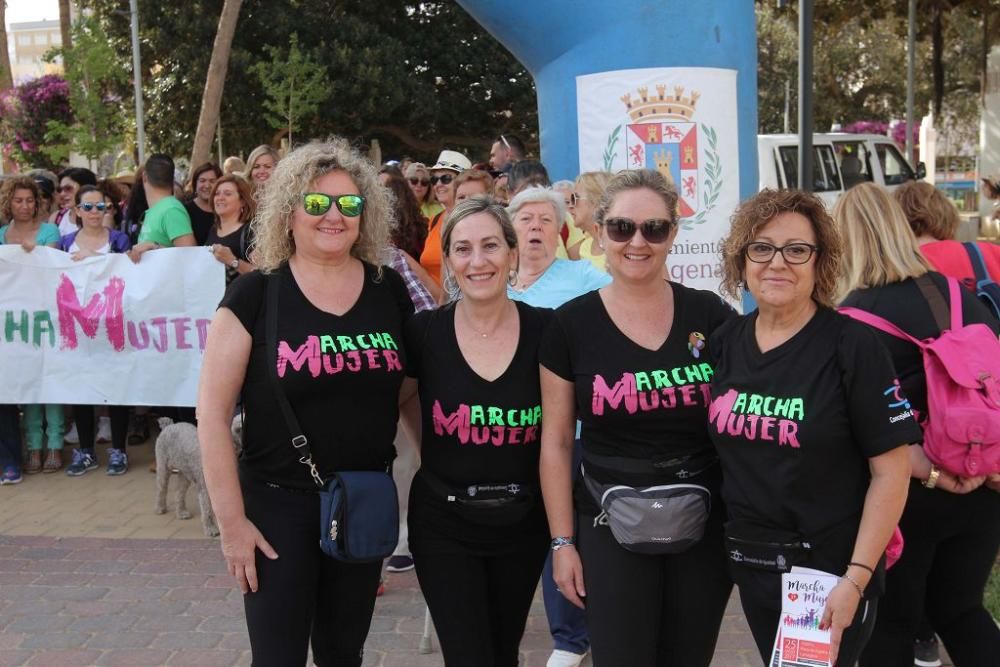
{"type": "Point", "coordinates": [320, 229]}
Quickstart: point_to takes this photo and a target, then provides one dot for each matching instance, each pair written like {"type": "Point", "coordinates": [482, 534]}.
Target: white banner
{"type": "Point", "coordinates": [682, 122]}
{"type": "Point", "coordinates": [104, 330]}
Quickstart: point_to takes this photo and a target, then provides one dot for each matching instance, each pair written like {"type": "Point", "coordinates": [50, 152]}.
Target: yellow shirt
{"type": "Point", "coordinates": [586, 252]}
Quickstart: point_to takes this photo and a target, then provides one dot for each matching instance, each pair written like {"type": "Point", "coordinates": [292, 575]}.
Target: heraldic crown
{"type": "Point", "coordinates": [662, 106]}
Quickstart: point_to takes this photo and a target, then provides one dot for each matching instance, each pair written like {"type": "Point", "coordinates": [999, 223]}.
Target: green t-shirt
{"type": "Point", "coordinates": [165, 222]}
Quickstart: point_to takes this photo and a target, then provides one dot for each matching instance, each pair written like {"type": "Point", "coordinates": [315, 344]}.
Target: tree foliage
{"type": "Point", "coordinates": [94, 74]}
{"type": "Point", "coordinates": [295, 84]}
{"type": "Point", "coordinates": [417, 76]}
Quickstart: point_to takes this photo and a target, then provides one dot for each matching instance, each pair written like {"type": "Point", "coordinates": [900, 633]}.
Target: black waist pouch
{"type": "Point", "coordinates": [489, 504]}
{"type": "Point", "coordinates": [766, 549]}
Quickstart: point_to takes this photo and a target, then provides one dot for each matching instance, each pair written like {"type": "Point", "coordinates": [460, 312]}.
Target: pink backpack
{"type": "Point", "coordinates": [962, 366]}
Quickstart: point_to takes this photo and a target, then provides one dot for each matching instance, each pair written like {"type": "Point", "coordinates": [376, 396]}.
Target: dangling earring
{"type": "Point", "coordinates": [451, 287]}
{"type": "Point", "coordinates": [512, 277]}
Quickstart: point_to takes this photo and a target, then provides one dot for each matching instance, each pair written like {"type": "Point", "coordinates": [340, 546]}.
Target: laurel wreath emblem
{"type": "Point", "coordinates": [713, 172]}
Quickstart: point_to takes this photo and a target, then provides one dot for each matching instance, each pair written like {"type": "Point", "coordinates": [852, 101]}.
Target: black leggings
{"type": "Point", "coordinates": [760, 595]}
{"type": "Point", "coordinates": [480, 603]}
{"type": "Point", "coordinates": [84, 416]}
{"type": "Point", "coordinates": [653, 611]}
{"type": "Point", "coordinates": [950, 545]}
{"type": "Point", "coordinates": [303, 595]}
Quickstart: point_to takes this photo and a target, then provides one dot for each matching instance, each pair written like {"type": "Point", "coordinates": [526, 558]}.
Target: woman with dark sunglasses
{"type": "Point", "coordinates": [419, 179]}
{"type": "Point", "coordinates": [630, 362]}
{"type": "Point", "coordinates": [321, 228]}
{"type": "Point", "coordinates": [448, 165]}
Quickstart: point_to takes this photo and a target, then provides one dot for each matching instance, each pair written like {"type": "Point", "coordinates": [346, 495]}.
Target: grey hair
{"type": "Point", "coordinates": [539, 195]}
{"type": "Point", "coordinates": [563, 185]}
{"type": "Point", "coordinates": [294, 176]}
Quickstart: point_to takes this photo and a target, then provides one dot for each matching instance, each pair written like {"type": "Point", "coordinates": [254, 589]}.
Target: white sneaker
{"type": "Point", "coordinates": [560, 658]}
{"type": "Point", "coordinates": [103, 429]}
{"type": "Point", "coordinates": [72, 437]}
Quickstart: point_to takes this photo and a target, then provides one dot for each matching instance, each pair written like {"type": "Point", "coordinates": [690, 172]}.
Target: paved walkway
{"type": "Point", "coordinates": [90, 576]}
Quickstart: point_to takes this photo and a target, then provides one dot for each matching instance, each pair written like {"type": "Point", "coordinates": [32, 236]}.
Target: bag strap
{"type": "Point", "coordinates": [299, 441]}
{"type": "Point", "coordinates": [976, 259]}
{"type": "Point", "coordinates": [939, 309]}
{"type": "Point", "coordinates": [879, 323]}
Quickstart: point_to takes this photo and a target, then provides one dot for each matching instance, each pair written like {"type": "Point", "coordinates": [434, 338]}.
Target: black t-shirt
{"type": "Point", "coordinates": [475, 431]}
{"type": "Point", "coordinates": [904, 305]}
{"type": "Point", "coordinates": [341, 375]}
{"type": "Point", "coordinates": [201, 221]}
{"type": "Point", "coordinates": [238, 242]}
{"type": "Point", "coordinates": [796, 425]}
{"type": "Point", "coordinates": [635, 402]}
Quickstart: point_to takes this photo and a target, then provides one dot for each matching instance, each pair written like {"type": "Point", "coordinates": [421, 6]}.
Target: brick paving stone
{"type": "Point", "coordinates": [137, 593]}
{"type": "Point", "coordinates": [134, 657]}
{"type": "Point", "coordinates": [65, 658]}
{"type": "Point", "coordinates": [131, 639]}
{"type": "Point", "coordinates": [103, 623]}
{"type": "Point", "coordinates": [228, 624]}
{"type": "Point", "coordinates": [36, 624]}
{"type": "Point", "coordinates": [205, 658]}
{"type": "Point", "coordinates": [76, 593]}
{"type": "Point", "coordinates": [168, 623]}
{"type": "Point", "coordinates": [14, 658]}
{"type": "Point", "coordinates": [187, 640]}
{"type": "Point", "coordinates": [236, 640]}
{"type": "Point", "coordinates": [47, 640]}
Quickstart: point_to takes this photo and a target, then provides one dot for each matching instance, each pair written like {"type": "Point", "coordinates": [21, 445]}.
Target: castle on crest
{"type": "Point", "coordinates": [663, 107]}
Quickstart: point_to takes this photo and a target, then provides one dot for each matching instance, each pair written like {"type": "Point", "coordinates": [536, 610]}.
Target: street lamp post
{"type": "Point", "coordinates": [805, 95]}
{"type": "Point", "coordinates": [140, 128]}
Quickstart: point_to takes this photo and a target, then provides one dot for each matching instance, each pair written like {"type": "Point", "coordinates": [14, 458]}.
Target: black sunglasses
{"type": "Point", "coordinates": [318, 203]}
{"type": "Point", "coordinates": [654, 230]}
{"type": "Point", "coordinates": [445, 179]}
{"type": "Point", "coordinates": [419, 181]}
{"type": "Point", "coordinates": [761, 252]}
{"type": "Point", "coordinates": [100, 206]}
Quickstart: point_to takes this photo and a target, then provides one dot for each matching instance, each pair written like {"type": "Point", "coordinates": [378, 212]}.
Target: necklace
{"type": "Point", "coordinates": [481, 334]}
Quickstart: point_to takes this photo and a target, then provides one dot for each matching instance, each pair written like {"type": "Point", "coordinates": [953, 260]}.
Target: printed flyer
{"type": "Point", "coordinates": [800, 642]}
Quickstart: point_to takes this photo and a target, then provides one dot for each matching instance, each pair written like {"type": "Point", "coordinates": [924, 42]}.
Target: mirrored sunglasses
{"type": "Point", "coordinates": [317, 203]}
{"type": "Point", "coordinates": [654, 230]}
{"type": "Point", "coordinates": [88, 207]}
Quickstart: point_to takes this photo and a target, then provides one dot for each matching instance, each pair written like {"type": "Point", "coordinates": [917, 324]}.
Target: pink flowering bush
{"type": "Point", "coordinates": [25, 113]}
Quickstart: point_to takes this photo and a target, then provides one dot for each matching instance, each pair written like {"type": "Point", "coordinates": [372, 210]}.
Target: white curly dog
{"type": "Point", "coordinates": [178, 449]}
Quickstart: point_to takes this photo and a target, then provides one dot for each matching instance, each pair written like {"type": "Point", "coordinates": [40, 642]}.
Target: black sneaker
{"type": "Point", "coordinates": [926, 654]}
{"type": "Point", "coordinates": [399, 564]}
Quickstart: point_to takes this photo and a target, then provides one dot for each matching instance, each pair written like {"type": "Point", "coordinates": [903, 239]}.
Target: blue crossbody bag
{"type": "Point", "coordinates": [358, 509]}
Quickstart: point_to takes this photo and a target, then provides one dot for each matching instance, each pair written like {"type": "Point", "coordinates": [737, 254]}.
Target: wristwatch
{"type": "Point", "coordinates": [235, 264]}
{"type": "Point", "coordinates": [932, 479]}
{"type": "Point", "coordinates": [560, 542]}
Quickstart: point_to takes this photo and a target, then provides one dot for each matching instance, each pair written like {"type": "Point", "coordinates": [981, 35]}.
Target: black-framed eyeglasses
{"type": "Point", "coordinates": [90, 206]}
{"type": "Point", "coordinates": [762, 252]}
{"type": "Point", "coordinates": [419, 181]}
{"type": "Point", "coordinates": [445, 179]}
{"type": "Point", "coordinates": [654, 230]}
{"type": "Point", "coordinates": [318, 203]}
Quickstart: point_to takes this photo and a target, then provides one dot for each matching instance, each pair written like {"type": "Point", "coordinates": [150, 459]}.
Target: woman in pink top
{"type": "Point", "coordinates": [934, 220]}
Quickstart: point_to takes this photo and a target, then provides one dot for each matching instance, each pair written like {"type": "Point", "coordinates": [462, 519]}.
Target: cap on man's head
{"type": "Point", "coordinates": [452, 160]}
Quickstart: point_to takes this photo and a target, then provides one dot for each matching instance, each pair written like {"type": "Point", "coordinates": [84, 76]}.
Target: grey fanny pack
{"type": "Point", "coordinates": [666, 518]}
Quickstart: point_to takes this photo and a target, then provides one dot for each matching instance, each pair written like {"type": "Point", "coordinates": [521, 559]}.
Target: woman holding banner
{"type": "Point", "coordinates": [19, 199]}
{"type": "Point", "coordinates": [92, 240]}
{"type": "Point", "coordinates": [323, 222]}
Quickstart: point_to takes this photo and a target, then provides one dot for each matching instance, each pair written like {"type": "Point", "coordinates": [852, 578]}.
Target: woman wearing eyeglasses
{"type": "Point", "coordinates": [810, 424]}
{"type": "Point", "coordinates": [93, 239]}
{"type": "Point", "coordinates": [630, 362]}
{"type": "Point", "coordinates": [448, 165]}
{"type": "Point", "coordinates": [320, 231]}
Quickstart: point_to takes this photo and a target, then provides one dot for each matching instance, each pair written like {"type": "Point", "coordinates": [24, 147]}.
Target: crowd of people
{"type": "Point", "coordinates": [513, 352]}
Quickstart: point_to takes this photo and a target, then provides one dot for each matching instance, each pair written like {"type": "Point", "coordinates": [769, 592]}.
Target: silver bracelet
{"type": "Point", "coordinates": [856, 584]}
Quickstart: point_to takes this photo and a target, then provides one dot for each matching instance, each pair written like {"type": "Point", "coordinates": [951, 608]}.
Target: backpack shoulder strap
{"type": "Point", "coordinates": [976, 259]}
{"type": "Point", "coordinates": [955, 301]}
{"type": "Point", "coordinates": [879, 323]}
{"type": "Point", "coordinates": [935, 300]}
